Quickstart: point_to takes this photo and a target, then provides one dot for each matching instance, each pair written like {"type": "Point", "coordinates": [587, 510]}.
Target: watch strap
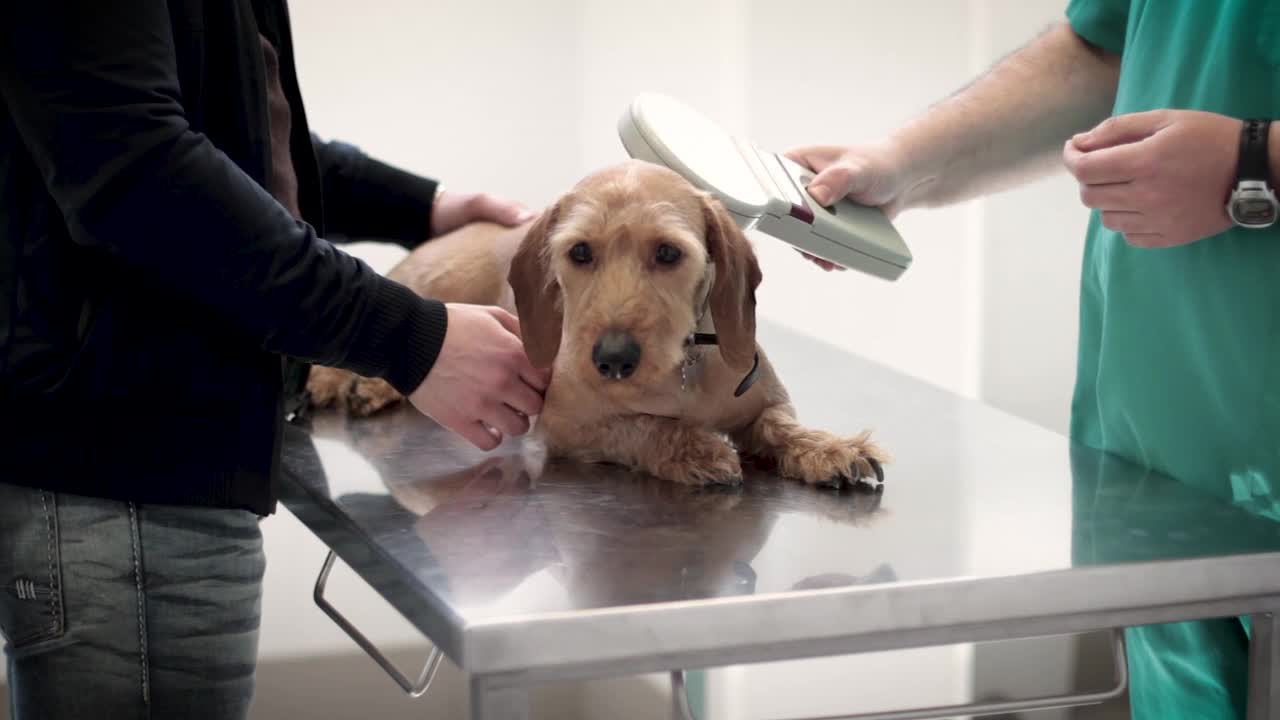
{"type": "Point", "coordinates": [1255, 162]}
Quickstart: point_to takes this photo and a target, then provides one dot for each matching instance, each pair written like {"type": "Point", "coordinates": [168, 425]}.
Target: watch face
{"type": "Point", "coordinates": [1254, 210]}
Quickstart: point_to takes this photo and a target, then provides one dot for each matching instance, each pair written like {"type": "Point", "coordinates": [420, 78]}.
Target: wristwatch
{"type": "Point", "coordinates": [1253, 200]}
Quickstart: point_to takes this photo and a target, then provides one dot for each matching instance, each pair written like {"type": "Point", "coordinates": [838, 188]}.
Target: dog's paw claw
{"type": "Point", "coordinates": [879, 470]}
{"type": "Point", "coordinates": [864, 470]}
{"type": "Point", "coordinates": [835, 463]}
{"type": "Point", "coordinates": [728, 480]}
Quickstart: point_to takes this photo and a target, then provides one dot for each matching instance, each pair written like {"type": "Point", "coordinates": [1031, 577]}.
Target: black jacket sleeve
{"type": "Point", "coordinates": [367, 198]}
{"type": "Point", "coordinates": [92, 88]}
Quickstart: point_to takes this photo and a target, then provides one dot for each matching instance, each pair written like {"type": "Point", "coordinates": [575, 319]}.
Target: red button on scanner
{"type": "Point", "coordinates": [802, 213]}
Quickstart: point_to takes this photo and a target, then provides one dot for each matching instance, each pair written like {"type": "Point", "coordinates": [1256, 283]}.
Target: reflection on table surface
{"type": "Point", "coordinates": [507, 533]}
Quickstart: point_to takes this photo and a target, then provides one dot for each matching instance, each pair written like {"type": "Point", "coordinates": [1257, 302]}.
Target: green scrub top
{"type": "Point", "coordinates": [1179, 351]}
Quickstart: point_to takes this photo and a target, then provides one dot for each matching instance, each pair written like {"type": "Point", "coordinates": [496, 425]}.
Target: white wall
{"type": "Point", "coordinates": [1031, 241]}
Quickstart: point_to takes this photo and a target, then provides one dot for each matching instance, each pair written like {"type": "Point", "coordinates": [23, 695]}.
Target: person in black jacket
{"type": "Point", "coordinates": [163, 285]}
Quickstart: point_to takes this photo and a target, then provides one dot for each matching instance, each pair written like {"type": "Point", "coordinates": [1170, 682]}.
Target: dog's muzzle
{"type": "Point", "coordinates": [616, 355]}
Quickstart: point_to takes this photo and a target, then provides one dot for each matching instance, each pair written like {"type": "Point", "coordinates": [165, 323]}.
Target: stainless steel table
{"type": "Point", "coordinates": [524, 572]}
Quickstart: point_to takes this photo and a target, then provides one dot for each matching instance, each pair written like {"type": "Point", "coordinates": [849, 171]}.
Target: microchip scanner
{"type": "Point", "coordinates": [763, 191]}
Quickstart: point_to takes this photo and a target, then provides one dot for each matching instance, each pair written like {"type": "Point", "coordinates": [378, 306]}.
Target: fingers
{"type": "Point", "coordinates": [504, 212]}
{"type": "Point", "coordinates": [523, 397]}
{"type": "Point", "coordinates": [486, 432]}
{"type": "Point", "coordinates": [453, 210]}
{"type": "Point", "coordinates": [482, 386]}
{"type": "Point", "coordinates": [1125, 222]}
{"type": "Point", "coordinates": [528, 382]}
{"type": "Point", "coordinates": [535, 378]}
{"type": "Point", "coordinates": [871, 175]}
{"type": "Point", "coordinates": [834, 179]}
{"type": "Point", "coordinates": [1120, 164]}
{"type": "Point", "coordinates": [507, 420]}
{"type": "Point", "coordinates": [824, 264]}
{"type": "Point", "coordinates": [507, 413]}
{"type": "Point", "coordinates": [1121, 130]}
{"type": "Point", "coordinates": [835, 182]}
{"type": "Point", "coordinates": [1111, 196]}
{"type": "Point", "coordinates": [506, 319]}
{"type": "Point", "coordinates": [814, 157]}
{"type": "Point", "coordinates": [1114, 151]}
{"type": "Point", "coordinates": [473, 431]}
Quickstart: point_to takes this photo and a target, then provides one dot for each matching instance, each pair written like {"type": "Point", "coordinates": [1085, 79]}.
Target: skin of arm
{"type": "Point", "coordinates": [1009, 125]}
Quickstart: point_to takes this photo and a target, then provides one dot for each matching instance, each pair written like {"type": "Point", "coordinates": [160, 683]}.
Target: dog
{"type": "Point", "coordinates": [638, 290]}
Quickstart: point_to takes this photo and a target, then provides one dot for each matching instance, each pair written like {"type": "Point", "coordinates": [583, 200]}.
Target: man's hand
{"type": "Point", "coordinates": [453, 210]}
{"type": "Point", "coordinates": [868, 174]}
{"type": "Point", "coordinates": [482, 384]}
{"type": "Point", "coordinates": [1162, 178]}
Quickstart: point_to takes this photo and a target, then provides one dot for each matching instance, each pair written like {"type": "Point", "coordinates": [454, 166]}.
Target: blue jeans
{"type": "Point", "coordinates": [113, 610]}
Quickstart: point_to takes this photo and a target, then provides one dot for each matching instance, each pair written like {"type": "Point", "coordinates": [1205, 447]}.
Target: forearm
{"type": "Point", "coordinates": [366, 198]}
{"type": "Point", "coordinates": [1010, 124]}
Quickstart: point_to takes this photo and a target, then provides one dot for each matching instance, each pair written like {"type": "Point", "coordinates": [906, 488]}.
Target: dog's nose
{"type": "Point", "coordinates": [616, 354]}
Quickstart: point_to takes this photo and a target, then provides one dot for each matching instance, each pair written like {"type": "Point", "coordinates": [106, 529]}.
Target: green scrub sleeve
{"type": "Point", "coordinates": [1100, 22]}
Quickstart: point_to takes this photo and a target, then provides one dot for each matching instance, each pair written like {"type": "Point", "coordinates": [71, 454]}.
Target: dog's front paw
{"type": "Point", "coordinates": [703, 459]}
{"type": "Point", "coordinates": [369, 395]}
{"type": "Point", "coordinates": [326, 385]}
{"type": "Point", "coordinates": [824, 459]}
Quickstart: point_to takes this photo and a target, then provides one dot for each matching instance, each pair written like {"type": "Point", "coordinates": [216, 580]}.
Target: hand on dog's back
{"type": "Point", "coordinates": [482, 377]}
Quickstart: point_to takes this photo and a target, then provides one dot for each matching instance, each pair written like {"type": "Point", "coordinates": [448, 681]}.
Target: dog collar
{"type": "Point", "coordinates": [704, 334]}
{"type": "Point", "coordinates": [705, 338]}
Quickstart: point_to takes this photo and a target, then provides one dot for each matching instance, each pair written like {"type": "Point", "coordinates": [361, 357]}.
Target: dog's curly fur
{"type": "Point", "coordinates": [688, 428]}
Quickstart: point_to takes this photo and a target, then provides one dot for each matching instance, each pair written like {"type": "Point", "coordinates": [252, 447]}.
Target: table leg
{"type": "Point", "coordinates": [1264, 667]}
{"type": "Point", "coordinates": [498, 702]}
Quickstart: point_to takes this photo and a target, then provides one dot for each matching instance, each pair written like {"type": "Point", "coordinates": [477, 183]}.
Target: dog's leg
{"type": "Point", "coordinates": [813, 456]}
{"type": "Point", "coordinates": [662, 447]}
{"type": "Point", "coordinates": [369, 395]}
{"type": "Point", "coordinates": [361, 396]}
{"type": "Point", "coordinates": [328, 386]}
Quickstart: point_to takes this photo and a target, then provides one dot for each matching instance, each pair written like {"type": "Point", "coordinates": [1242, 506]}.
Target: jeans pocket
{"type": "Point", "coordinates": [31, 607]}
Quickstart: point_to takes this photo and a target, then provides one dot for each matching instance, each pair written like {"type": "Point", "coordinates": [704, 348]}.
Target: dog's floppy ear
{"type": "Point", "coordinates": [733, 296]}
{"type": "Point", "coordinates": [537, 293]}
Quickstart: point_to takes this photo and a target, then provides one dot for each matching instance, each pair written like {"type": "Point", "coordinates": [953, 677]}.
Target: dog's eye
{"type": "Point", "coordinates": [668, 254]}
{"type": "Point", "coordinates": [580, 253]}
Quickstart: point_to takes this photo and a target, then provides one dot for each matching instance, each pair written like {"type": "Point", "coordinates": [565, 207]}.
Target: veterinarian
{"type": "Point", "coordinates": [162, 273]}
{"type": "Point", "coordinates": [1151, 106]}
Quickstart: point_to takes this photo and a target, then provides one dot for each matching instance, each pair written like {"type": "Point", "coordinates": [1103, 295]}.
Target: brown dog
{"type": "Point", "coordinates": [615, 286]}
